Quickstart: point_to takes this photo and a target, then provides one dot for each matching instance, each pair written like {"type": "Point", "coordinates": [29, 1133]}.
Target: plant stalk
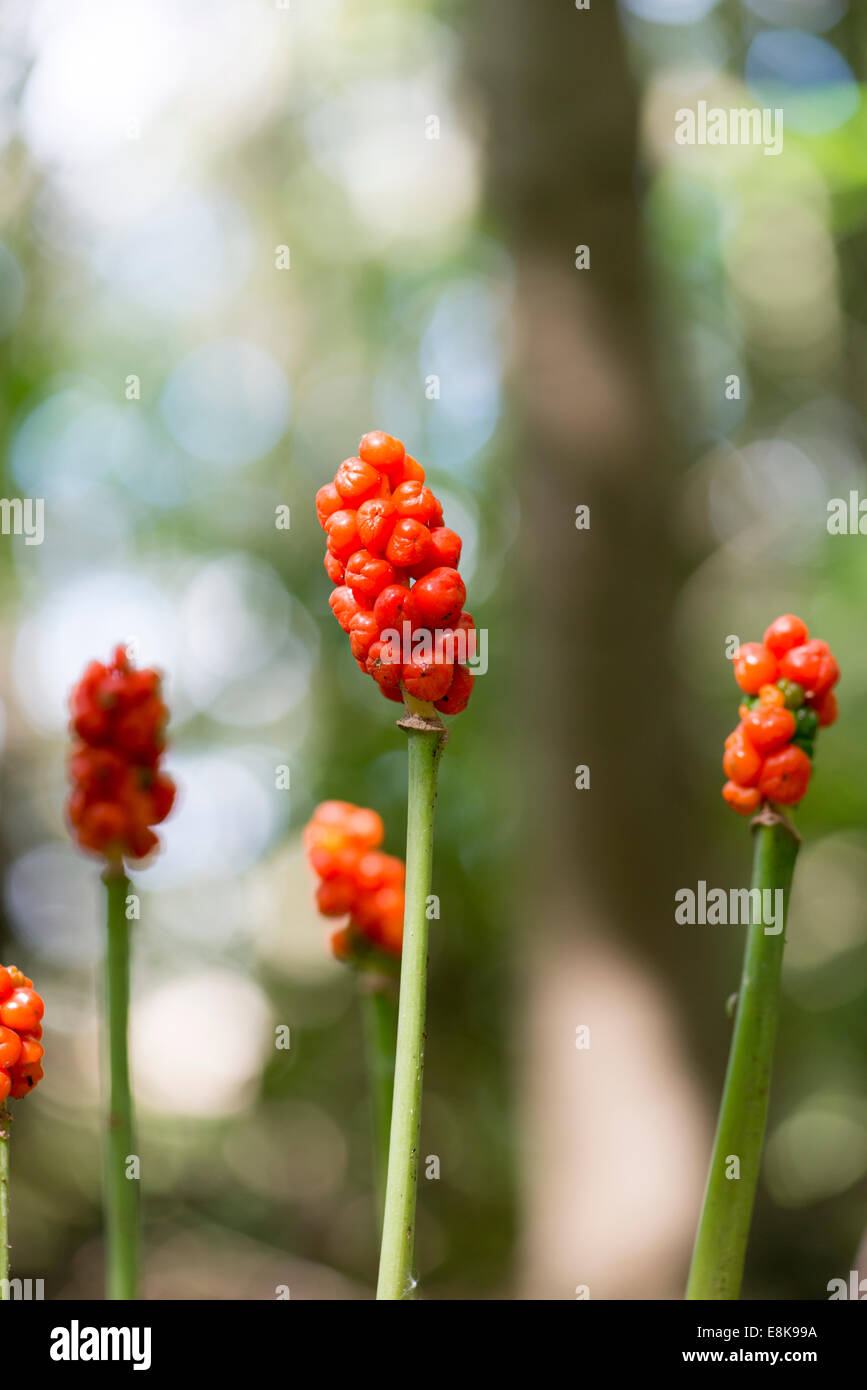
{"type": "Point", "coordinates": [724, 1228]}
{"type": "Point", "coordinates": [5, 1125]}
{"type": "Point", "coordinates": [379, 1021]}
{"type": "Point", "coordinates": [121, 1192]}
{"type": "Point", "coordinates": [396, 1270]}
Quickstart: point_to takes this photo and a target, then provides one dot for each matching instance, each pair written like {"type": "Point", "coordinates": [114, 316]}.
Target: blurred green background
{"type": "Point", "coordinates": [236, 236]}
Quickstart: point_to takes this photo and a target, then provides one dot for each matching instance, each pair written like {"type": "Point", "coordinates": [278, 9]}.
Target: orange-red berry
{"type": "Point", "coordinates": [357, 481]}
{"type": "Point", "coordinates": [427, 678]}
{"type": "Point", "coordinates": [375, 521]}
{"type": "Point", "coordinates": [439, 598]}
{"type": "Point", "coordinates": [367, 575]}
{"type": "Point", "coordinates": [409, 543]}
{"type": "Point", "coordinates": [785, 776]}
{"type": "Point", "coordinates": [457, 696]}
{"type": "Point", "coordinates": [328, 501]}
{"type": "Point", "coordinates": [417, 501]}
{"type": "Point", "coordinates": [384, 452]}
{"type": "Point", "coordinates": [784, 633]}
{"type": "Point", "coordinates": [771, 695]}
{"type": "Point", "coordinates": [744, 800]}
{"type": "Point", "coordinates": [768, 729]}
{"type": "Point", "coordinates": [742, 763]}
{"type": "Point", "coordinates": [342, 531]}
{"type": "Point", "coordinates": [811, 666]}
{"type": "Point", "coordinates": [755, 665]}
{"type": "Point", "coordinates": [826, 709]}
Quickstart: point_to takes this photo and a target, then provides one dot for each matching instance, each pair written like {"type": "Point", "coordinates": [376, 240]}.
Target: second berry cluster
{"type": "Point", "coordinates": [356, 880]}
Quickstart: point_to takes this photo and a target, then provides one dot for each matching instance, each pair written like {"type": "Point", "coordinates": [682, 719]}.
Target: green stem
{"type": "Point", "coordinates": [723, 1233]}
{"type": "Point", "coordinates": [396, 1269]}
{"type": "Point", "coordinates": [5, 1124]}
{"type": "Point", "coordinates": [379, 1020]}
{"type": "Point", "coordinates": [121, 1192]}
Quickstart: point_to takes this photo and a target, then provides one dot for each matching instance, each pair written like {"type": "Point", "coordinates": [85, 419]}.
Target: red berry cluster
{"type": "Point", "coordinates": [118, 791]}
{"type": "Point", "coordinates": [788, 681]}
{"type": "Point", "coordinates": [393, 561]}
{"type": "Point", "coordinates": [21, 1051]}
{"type": "Point", "coordinates": [357, 880]}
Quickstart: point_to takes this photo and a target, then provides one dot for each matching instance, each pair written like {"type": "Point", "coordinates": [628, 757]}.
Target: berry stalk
{"type": "Point", "coordinates": [379, 1021]}
{"type": "Point", "coordinates": [121, 1192]}
{"type": "Point", "coordinates": [5, 1121]}
{"type": "Point", "coordinates": [396, 1269]}
{"type": "Point", "coordinates": [724, 1227]}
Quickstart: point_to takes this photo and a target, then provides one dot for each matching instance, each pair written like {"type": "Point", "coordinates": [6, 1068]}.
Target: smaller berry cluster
{"type": "Point", "coordinates": [118, 791]}
{"type": "Point", "coordinates": [788, 681]}
{"type": "Point", "coordinates": [356, 880]}
{"type": "Point", "coordinates": [21, 1050]}
{"type": "Point", "coordinates": [385, 530]}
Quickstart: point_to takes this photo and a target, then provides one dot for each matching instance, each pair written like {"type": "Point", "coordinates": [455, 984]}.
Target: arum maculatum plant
{"type": "Point", "coordinates": [119, 792]}
{"type": "Point", "coordinates": [788, 683]}
{"type": "Point", "coordinates": [21, 1053]}
{"type": "Point", "coordinates": [400, 599]}
{"type": "Point", "coordinates": [364, 887]}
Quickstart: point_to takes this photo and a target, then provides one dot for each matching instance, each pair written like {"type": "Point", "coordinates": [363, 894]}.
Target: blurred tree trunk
{"type": "Point", "coordinates": [597, 684]}
{"type": "Point", "coordinates": [599, 687]}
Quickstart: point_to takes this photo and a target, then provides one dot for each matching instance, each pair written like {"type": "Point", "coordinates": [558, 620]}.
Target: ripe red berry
{"type": "Point", "coordinates": [394, 606]}
{"type": "Point", "coordinates": [742, 763]}
{"type": "Point", "coordinates": [784, 633]}
{"type": "Point", "coordinates": [162, 793]}
{"type": "Point", "coordinates": [356, 481]}
{"type": "Point", "coordinates": [10, 1047]}
{"type": "Point", "coordinates": [22, 1010]}
{"type": "Point", "coordinates": [23, 1081]}
{"type": "Point", "coordinates": [744, 800]}
{"type": "Point", "coordinates": [826, 709]}
{"type": "Point", "coordinates": [412, 471]}
{"type": "Point", "coordinates": [342, 531]}
{"type": "Point", "coordinates": [363, 632]}
{"type": "Point", "coordinates": [812, 666]}
{"type": "Point", "coordinates": [427, 677]}
{"type": "Point", "coordinates": [409, 543]}
{"type": "Point", "coordinates": [417, 501]}
{"type": "Point", "coordinates": [439, 598]}
{"type": "Point", "coordinates": [336, 897]}
{"type": "Point", "coordinates": [328, 501]}
{"type": "Point", "coordinates": [334, 568]}
{"type": "Point", "coordinates": [375, 521]}
{"type": "Point", "coordinates": [768, 729]}
{"type": "Point", "coordinates": [754, 665]}
{"type": "Point", "coordinates": [785, 776]}
{"type": "Point", "coordinates": [344, 605]}
{"type": "Point", "coordinates": [384, 452]}
{"type": "Point", "coordinates": [367, 575]}
{"type": "Point", "coordinates": [386, 673]}
{"type": "Point", "coordinates": [446, 547]}
{"type": "Point", "coordinates": [457, 697]}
